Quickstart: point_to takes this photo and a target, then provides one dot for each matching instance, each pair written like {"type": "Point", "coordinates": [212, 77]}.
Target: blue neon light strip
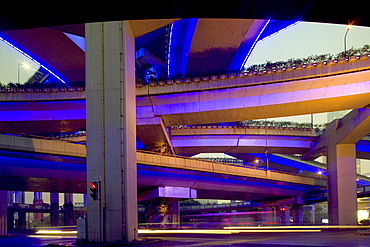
{"type": "Point", "coordinates": [254, 44]}
{"type": "Point", "coordinates": [266, 36]}
{"type": "Point", "coordinates": [267, 32]}
{"type": "Point", "coordinates": [180, 37]}
{"type": "Point", "coordinates": [169, 51]}
{"type": "Point", "coordinates": [59, 77]}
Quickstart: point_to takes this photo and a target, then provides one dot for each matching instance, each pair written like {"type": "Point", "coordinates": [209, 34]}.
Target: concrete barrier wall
{"type": "Point", "coordinates": [42, 146]}
{"type": "Point", "coordinates": [219, 168]}
{"type": "Point", "coordinates": [243, 131]}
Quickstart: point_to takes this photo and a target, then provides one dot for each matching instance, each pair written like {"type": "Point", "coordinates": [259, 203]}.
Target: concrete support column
{"type": "Point", "coordinates": [297, 214]}
{"type": "Point", "coordinates": [10, 196]}
{"type": "Point", "coordinates": [38, 218]}
{"type": "Point", "coordinates": [54, 209]}
{"type": "Point", "coordinates": [3, 213]}
{"type": "Point", "coordinates": [342, 195]}
{"type": "Point", "coordinates": [176, 215]}
{"type": "Point", "coordinates": [266, 215]}
{"type": "Point", "coordinates": [312, 215]}
{"type": "Point", "coordinates": [19, 196]}
{"type": "Point", "coordinates": [111, 124]}
{"type": "Point", "coordinates": [68, 209]}
{"type": "Point", "coordinates": [19, 217]}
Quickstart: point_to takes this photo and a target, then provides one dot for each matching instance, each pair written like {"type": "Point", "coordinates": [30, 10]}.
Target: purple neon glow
{"type": "Point", "coordinates": [59, 77]}
{"type": "Point", "coordinates": [43, 111]}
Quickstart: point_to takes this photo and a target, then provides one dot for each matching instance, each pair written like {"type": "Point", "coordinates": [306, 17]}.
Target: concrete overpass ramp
{"type": "Point", "coordinates": [49, 166]}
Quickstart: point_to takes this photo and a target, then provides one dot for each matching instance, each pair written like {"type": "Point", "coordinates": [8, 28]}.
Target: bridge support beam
{"type": "Point", "coordinates": [111, 124]}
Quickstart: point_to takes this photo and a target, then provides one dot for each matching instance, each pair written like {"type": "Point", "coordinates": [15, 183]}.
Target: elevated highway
{"type": "Point", "coordinates": [32, 164]}
{"type": "Point", "coordinates": [55, 166]}
{"type": "Point", "coordinates": [312, 88]}
{"type": "Point", "coordinates": [283, 98]}
{"type": "Point", "coordinates": [250, 139]}
{"type": "Point", "coordinates": [228, 139]}
{"type": "Point", "coordinates": [62, 111]}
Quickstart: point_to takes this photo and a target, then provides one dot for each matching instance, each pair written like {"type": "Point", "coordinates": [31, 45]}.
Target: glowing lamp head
{"type": "Point", "coordinates": [26, 65]}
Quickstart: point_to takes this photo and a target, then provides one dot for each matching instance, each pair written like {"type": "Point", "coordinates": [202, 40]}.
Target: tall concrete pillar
{"type": "Point", "coordinates": [19, 217]}
{"type": "Point", "coordinates": [38, 218]}
{"type": "Point", "coordinates": [54, 209]}
{"type": "Point", "coordinates": [68, 209]}
{"type": "Point", "coordinates": [342, 185]}
{"type": "Point", "coordinates": [3, 213]}
{"type": "Point", "coordinates": [176, 221]}
{"type": "Point", "coordinates": [297, 214]}
{"type": "Point", "coordinates": [111, 128]}
{"type": "Point", "coordinates": [19, 196]}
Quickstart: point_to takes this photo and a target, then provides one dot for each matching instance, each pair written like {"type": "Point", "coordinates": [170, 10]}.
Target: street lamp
{"type": "Point", "coordinates": [24, 65]}
{"type": "Point", "coordinates": [345, 39]}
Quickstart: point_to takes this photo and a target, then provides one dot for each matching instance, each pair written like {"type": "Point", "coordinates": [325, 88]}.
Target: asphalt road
{"type": "Point", "coordinates": [327, 238]}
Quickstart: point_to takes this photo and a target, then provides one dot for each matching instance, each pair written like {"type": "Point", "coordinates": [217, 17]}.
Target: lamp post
{"type": "Point", "coordinates": [266, 148]}
{"type": "Point", "coordinates": [345, 40]}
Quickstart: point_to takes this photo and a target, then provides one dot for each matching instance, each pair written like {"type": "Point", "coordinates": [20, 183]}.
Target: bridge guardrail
{"type": "Point", "coordinates": [198, 79]}
{"type": "Point", "coordinates": [338, 63]}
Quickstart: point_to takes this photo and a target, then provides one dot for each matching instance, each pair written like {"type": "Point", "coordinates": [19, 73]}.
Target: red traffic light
{"type": "Point", "coordinates": [282, 209]}
{"type": "Point", "coordinates": [93, 185]}
{"type": "Point", "coordinates": [94, 188]}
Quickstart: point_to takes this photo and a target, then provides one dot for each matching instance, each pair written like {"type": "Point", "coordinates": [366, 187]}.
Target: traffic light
{"type": "Point", "coordinates": [94, 188]}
